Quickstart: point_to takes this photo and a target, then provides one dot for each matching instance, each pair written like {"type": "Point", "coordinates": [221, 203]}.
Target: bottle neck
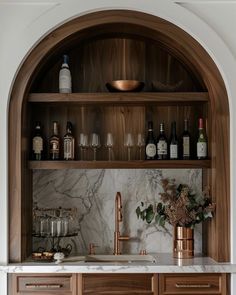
{"type": "Point", "coordinates": [186, 125]}
{"type": "Point", "coordinates": [173, 130]}
{"type": "Point", "coordinates": [162, 129]}
{"type": "Point", "coordinates": [55, 129]}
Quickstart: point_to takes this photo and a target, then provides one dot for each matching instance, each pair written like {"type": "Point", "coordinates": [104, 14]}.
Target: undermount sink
{"type": "Point", "coordinates": [112, 258]}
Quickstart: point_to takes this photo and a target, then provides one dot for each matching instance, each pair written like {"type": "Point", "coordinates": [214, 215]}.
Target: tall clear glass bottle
{"type": "Point", "coordinates": [65, 85]}
{"type": "Point", "coordinates": [69, 143]}
{"type": "Point", "coordinates": [54, 143]}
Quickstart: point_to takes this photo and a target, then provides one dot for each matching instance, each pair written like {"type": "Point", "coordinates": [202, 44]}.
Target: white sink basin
{"type": "Point", "coordinates": [112, 258]}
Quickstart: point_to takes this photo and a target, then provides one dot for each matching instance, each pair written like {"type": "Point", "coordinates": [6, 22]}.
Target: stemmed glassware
{"type": "Point", "coordinates": [83, 144]}
{"type": "Point", "coordinates": [129, 143]}
{"type": "Point", "coordinates": [109, 144]}
{"type": "Point", "coordinates": [95, 144]}
{"type": "Point", "coordinates": [140, 144]}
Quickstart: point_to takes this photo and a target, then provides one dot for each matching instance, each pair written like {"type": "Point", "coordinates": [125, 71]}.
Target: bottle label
{"type": "Point", "coordinates": [162, 147]}
{"type": "Point", "coordinates": [54, 146]}
{"type": "Point", "coordinates": [68, 149]}
{"type": "Point", "coordinates": [173, 151]}
{"type": "Point", "coordinates": [151, 150]}
{"type": "Point", "coordinates": [37, 144]}
{"type": "Point", "coordinates": [186, 147]}
{"type": "Point", "coordinates": [65, 81]}
{"type": "Point", "coordinates": [201, 149]}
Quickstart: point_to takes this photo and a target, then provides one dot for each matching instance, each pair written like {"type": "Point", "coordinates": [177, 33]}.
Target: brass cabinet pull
{"type": "Point", "coordinates": [43, 286]}
{"type": "Point", "coordinates": [192, 285]}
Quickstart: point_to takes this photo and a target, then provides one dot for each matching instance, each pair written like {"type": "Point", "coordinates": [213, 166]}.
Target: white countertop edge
{"type": "Point", "coordinates": [124, 268]}
{"type": "Point", "coordinates": [165, 264]}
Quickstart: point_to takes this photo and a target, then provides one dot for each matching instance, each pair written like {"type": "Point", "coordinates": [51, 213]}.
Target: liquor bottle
{"type": "Point", "coordinates": [54, 143]}
{"type": "Point", "coordinates": [173, 142]}
{"type": "Point", "coordinates": [150, 149]}
{"type": "Point", "coordinates": [65, 76]}
{"type": "Point", "coordinates": [37, 143]}
{"type": "Point", "coordinates": [69, 143]}
{"type": "Point", "coordinates": [202, 141]}
{"type": "Point", "coordinates": [186, 142]}
{"type": "Point", "coordinates": [162, 151]}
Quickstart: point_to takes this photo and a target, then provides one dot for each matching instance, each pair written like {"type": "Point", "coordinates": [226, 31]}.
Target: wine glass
{"type": "Point", "coordinates": [140, 144]}
{"type": "Point", "coordinates": [109, 144]}
{"type": "Point", "coordinates": [83, 144]}
{"type": "Point", "coordinates": [95, 144]}
{"type": "Point", "coordinates": [129, 143]}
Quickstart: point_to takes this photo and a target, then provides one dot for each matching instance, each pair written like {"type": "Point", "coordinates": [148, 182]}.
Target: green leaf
{"type": "Point", "coordinates": [162, 221]}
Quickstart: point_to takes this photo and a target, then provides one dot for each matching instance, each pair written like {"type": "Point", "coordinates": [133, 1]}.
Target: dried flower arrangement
{"type": "Point", "coordinates": [180, 206]}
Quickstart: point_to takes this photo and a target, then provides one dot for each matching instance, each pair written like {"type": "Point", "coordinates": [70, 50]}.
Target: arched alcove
{"type": "Point", "coordinates": [148, 48]}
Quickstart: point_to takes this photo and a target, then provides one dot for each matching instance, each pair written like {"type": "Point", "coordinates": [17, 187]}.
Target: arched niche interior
{"type": "Point", "coordinates": [105, 46]}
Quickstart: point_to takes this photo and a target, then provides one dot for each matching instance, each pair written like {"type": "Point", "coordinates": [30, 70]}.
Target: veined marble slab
{"type": "Point", "coordinates": [165, 264]}
{"type": "Point", "coordinates": [93, 193]}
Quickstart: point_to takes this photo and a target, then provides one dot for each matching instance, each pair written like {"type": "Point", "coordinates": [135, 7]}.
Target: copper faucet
{"type": "Point", "coordinates": [118, 218]}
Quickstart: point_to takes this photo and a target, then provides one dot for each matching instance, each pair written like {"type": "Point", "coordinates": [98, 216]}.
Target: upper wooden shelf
{"type": "Point", "coordinates": [121, 97]}
{"type": "Point", "coordinates": [161, 164]}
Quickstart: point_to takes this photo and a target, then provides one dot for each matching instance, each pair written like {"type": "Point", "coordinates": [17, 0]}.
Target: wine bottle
{"type": "Point", "coordinates": [173, 142]}
{"type": "Point", "coordinates": [54, 143]}
{"type": "Point", "coordinates": [69, 143]}
{"type": "Point", "coordinates": [186, 142]}
{"type": "Point", "coordinates": [162, 151]}
{"type": "Point", "coordinates": [202, 141]}
{"type": "Point", "coordinates": [65, 76]}
{"type": "Point", "coordinates": [37, 143]}
{"type": "Point", "coordinates": [150, 149]}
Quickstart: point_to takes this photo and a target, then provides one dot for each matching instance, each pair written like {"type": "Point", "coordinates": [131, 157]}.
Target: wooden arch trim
{"type": "Point", "coordinates": [218, 232]}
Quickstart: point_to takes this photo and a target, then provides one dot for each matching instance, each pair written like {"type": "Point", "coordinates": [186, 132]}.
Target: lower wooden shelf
{"type": "Point", "coordinates": [158, 164]}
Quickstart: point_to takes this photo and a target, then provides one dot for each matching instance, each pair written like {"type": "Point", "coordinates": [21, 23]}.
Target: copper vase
{"type": "Point", "coordinates": [183, 244]}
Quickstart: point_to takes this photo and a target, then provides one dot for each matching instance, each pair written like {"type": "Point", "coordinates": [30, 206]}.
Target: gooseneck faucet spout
{"type": "Point", "coordinates": [118, 218]}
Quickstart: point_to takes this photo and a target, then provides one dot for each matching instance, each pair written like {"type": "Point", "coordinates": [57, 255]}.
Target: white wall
{"type": "Point", "coordinates": [23, 23]}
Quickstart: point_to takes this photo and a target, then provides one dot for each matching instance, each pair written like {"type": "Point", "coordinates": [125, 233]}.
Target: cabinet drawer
{"type": "Point", "coordinates": [192, 284]}
{"type": "Point", "coordinates": [42, 284]}
{"type": "Point", "coordinates": [118, 283]}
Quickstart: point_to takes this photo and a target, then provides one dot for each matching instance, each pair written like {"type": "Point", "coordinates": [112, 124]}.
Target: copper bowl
{"type": "Point", "coordinates": [124, 85]}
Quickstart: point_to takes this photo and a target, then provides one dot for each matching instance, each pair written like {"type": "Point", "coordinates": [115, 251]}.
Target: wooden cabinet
{"type": "Point", "coordinates": [180, 284]}
{"type": "Point", "coordinates": [120, 284]}
{"type": "Point", "coordinates": [42, 284]}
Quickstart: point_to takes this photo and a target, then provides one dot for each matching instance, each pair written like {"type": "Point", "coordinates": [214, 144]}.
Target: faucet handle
{"type": "Point", "coordinates": [92, 247]}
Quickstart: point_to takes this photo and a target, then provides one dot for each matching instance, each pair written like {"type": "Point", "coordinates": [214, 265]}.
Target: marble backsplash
{"type": "Point", "coordinates": [93, 193]}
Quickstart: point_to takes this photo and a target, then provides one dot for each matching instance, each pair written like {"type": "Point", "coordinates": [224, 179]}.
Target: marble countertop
{"type": "Point", "coordinates": [164, 264]}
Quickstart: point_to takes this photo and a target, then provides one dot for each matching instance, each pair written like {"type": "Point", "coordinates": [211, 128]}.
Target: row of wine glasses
{"type": "Point", "coordinates": [94, 143]}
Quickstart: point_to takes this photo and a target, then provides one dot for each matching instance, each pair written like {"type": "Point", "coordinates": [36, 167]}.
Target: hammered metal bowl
{"type": "Point", "coordinates": [124, 85]}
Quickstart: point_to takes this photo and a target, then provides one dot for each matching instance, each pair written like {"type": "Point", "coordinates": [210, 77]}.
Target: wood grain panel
{"type": "Point", "coordinates": [42, 284]}
{"type": "Point", "coordinates": [192, 284]}
{"type": "Point", "coordinates": [113, 283]}
{"type": "Point", "coordinates": [122, 98]}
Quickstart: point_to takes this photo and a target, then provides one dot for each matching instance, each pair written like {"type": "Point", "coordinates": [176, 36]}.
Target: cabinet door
{"type": "Point", "coordinates": [145, 284]}
{"type": "Point", "coordinates": [42, 284]}
{"type": "Point", "coordinates": [192, 284]}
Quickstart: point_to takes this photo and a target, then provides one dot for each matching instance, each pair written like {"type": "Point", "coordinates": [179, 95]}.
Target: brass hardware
{"type": "Point", "coordinates": [143, 252]}
{"type": "Point", "coordinates": [118, 218]}
{"type": "Point", "coordinates": [43, 286]}
{"type": "Point", "coordinates": [92, 247]}
{"type": "Point", "coordinates": [192, 285]}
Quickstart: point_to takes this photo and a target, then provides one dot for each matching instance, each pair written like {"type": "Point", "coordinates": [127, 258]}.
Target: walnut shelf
{"type": "Point", "coordinates": [119, 98]}
{"type": "Point", "coordinates": [168, 164]}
